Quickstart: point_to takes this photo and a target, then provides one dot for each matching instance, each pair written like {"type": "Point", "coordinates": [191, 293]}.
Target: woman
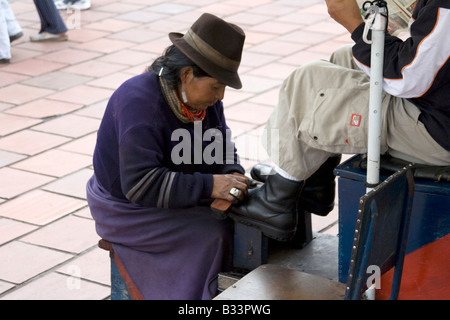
{"type": "Point", "coordinates": [162, 156]}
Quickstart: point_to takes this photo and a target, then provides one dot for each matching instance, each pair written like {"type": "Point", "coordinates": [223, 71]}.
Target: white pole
{"type": "Point", "coordinates": [378, 28]}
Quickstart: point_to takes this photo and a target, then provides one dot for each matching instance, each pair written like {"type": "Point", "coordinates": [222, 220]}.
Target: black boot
{"type": "Point", "coordinates": [271, 208]}
{"type": "Point", "coordinates": [319, 192]}
{"type": "Point", "coordinates": [260, 171]}
{"type": "Point", "coordinates": [320, 188]}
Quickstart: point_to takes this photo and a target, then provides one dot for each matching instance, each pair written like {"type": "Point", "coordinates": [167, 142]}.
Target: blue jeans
{"type": "Point", "coordinates": [8, 27]}
{"type": "Point", "coordinates": [51, 20]}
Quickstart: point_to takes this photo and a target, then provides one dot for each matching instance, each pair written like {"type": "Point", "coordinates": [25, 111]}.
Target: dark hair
{"type": "Point", "coordinates": [172, 62]}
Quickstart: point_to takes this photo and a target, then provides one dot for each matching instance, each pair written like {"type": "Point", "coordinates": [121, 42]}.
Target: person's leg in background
{"type": "Point", "coordinates": [53, 27]}
{"type": "Point", "coordinates": [14, 29]}
{"type": "Point", "coordinates": [10, 30]}
{"type": "Point", "coordinates": [5, 47]}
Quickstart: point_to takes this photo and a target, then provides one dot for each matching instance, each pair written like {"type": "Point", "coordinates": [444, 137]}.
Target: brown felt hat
{"type": "Point", "coordinates": [215, 46]}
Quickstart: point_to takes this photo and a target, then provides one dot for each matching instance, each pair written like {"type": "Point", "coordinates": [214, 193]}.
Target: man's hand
{"type": "Point", "coordinates": [345, 12]}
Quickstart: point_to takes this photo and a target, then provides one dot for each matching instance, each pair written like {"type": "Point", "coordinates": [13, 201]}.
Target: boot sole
{"type": "Point", "coordinates": [267, 230]}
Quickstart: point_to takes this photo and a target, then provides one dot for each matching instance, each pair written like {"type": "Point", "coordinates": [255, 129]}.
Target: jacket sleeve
{"type": "Point", "coordinates": [148, 182]}
{"type": "Point", "coordinates": [411, 66]}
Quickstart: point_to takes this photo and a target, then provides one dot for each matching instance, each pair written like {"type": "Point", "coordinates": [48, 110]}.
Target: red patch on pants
{"type": "Point", "coordinates": [355, 121]}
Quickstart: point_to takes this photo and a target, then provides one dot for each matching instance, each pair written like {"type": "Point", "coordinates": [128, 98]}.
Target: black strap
{"type": "Point", "coordinates": [391, 164]}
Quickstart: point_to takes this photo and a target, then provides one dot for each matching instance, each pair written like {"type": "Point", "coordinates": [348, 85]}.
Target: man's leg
{"type": "Point", "coordinates": [322, 112]}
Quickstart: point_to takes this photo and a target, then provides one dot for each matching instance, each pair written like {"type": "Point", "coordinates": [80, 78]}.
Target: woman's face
{"type": "Point", "coordinates": [201, 92]}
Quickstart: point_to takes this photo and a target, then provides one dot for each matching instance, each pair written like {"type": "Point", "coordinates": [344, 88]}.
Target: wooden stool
{"type": "Point", "coordinates": [122, 287]}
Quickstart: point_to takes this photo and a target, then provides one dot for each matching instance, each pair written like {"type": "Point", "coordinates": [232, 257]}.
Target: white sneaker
{"type": "Point", "coordinates": [46, 36]}
{"type": "Point", "coordinates": [80, 5]}
{"type": "Point", "coordinates": [61, 5]}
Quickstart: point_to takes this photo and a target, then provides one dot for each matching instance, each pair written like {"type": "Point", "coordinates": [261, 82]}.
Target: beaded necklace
{"type": "Point", "coordinates": [181, 110]}
{"type": "Point", "coordinates": [197, 115]}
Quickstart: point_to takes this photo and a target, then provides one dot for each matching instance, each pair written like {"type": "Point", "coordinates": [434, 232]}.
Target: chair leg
{"type": "Point", "coordinates": [122, 287]}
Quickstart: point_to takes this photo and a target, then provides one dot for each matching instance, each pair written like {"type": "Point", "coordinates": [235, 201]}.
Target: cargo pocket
{"type": "Point", "coordinates": [338, 121]}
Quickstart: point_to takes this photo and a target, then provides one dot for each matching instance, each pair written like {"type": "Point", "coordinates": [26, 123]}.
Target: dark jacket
{"type": "Point", "coordinates": [419, 67]}
{"type": "Point", "coordinates": [145, 155]}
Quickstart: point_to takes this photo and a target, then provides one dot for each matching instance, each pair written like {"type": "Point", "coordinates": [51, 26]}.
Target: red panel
{"type": "Point", "coordinates": [426, 274]}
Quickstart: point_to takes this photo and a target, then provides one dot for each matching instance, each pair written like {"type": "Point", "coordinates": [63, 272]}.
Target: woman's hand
{"type": "Point", "coordinates": [345, 12]}
{"type": "Point", "coordinates": [224, 183]}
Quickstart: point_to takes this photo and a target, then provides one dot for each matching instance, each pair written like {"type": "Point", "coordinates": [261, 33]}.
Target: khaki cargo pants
{"type": "Point", "coordinates": [323, 110]}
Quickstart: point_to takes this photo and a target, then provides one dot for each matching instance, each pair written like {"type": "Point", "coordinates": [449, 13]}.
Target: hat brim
{"type": "Point", "coordinates": [227, 77]}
